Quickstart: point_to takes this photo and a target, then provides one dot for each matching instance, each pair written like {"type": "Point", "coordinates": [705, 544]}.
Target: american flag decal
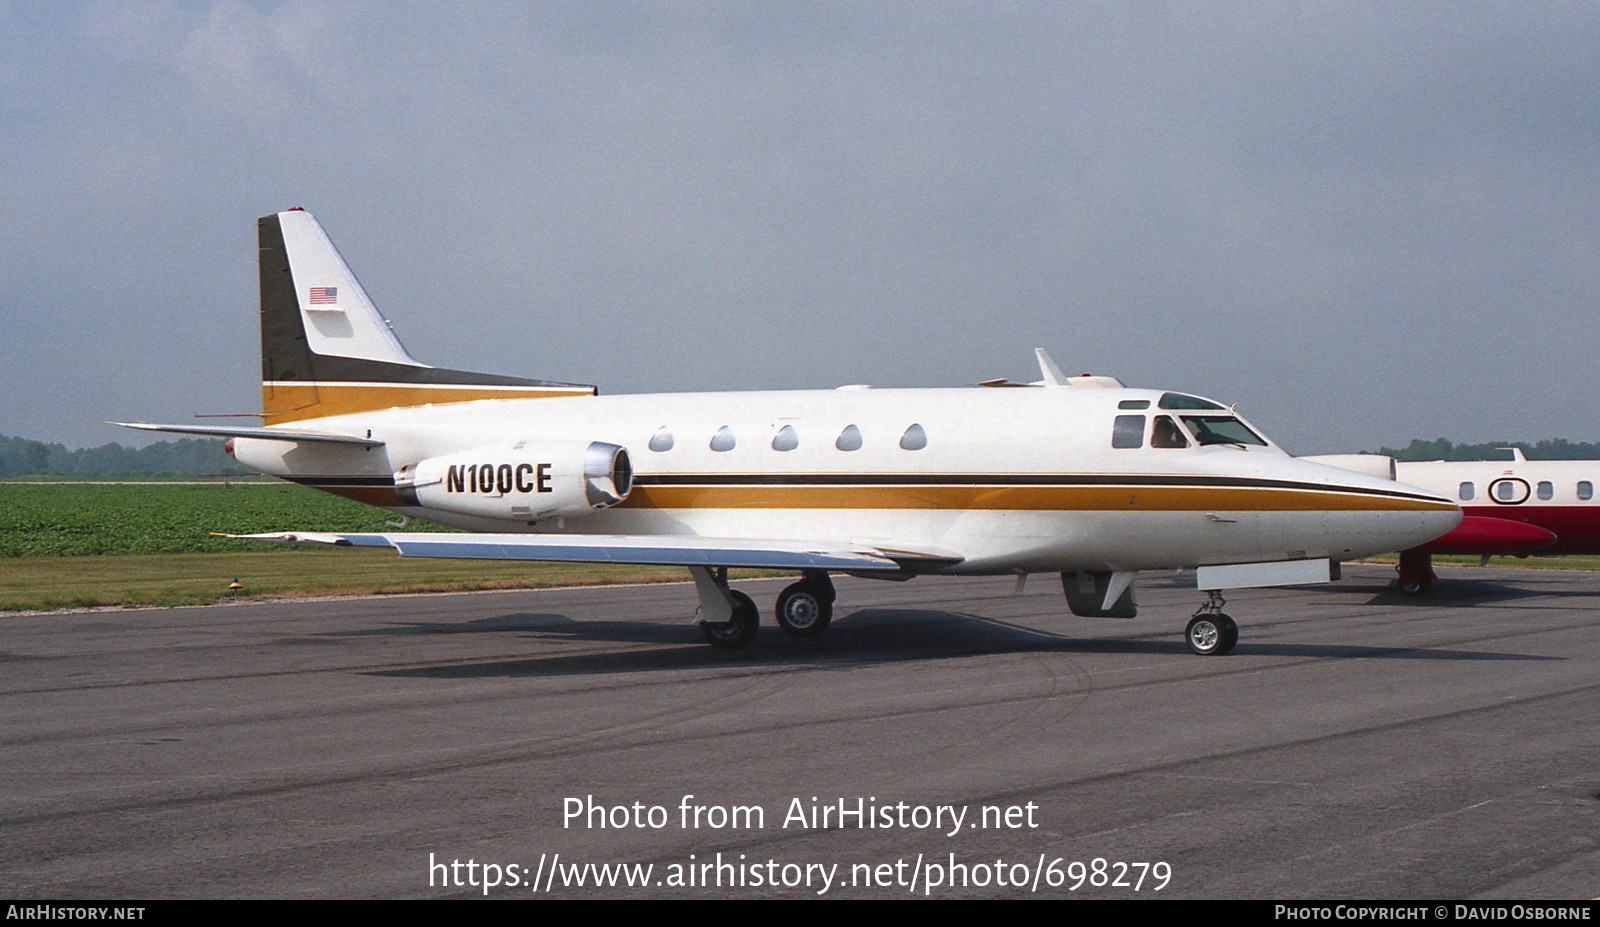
{"type": "Point", "coordinates": [323, 295]}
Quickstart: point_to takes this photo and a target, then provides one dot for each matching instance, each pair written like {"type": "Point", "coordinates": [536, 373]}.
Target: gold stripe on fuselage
{"type": "Point", "coordinates": [293, 401]}
{"type": "Point", "coordinates": [1023, 498]}
{"type": "Point", "coordinates": [969, 497]}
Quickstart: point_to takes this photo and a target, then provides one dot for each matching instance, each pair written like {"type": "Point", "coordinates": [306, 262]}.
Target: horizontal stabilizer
{"type": "Point", "coordinates": [621, 548]}
{"type": "Point", "coordinates": [266, 434]}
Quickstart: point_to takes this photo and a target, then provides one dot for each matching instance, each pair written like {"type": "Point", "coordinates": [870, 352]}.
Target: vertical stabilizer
{"type": "Point", "coordinates": [338, 318]}
{"type": "Point", "coordinates": [326, 350]}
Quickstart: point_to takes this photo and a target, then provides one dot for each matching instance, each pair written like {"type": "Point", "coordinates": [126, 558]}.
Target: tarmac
{"type": "Point", "coordinates": [945, 738]}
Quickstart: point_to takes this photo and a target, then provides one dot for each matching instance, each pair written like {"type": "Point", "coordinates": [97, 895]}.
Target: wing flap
{"type": "Point", "coordinates": [621, 548]}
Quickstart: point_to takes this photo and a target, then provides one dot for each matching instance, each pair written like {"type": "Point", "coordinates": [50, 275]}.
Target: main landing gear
{"type": "Point", "coordinates": [729, 618]}
{"type": "Point", "coordinates": [806, 607]}
{"type": "Point", "coordinates": [1416, 573]}
{"type": "Point", "coordinates": [1211, 633]}
{"type": "Point", "coordinates": [740, 628]}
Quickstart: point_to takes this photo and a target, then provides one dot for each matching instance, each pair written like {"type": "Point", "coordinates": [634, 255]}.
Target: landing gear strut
{"type": "Point", "coordinates": [1416, 573]}
{"type": "Point", "coordinates": [806, 607]}
{"type": "Point", "coordinates": [1212, 633]}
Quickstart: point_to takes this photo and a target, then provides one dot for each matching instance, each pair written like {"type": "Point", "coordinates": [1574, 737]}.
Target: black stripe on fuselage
{"type": "Point", "coordinates": [930, 479]}
{"type": "Point", "coordinates": [1007, 479]}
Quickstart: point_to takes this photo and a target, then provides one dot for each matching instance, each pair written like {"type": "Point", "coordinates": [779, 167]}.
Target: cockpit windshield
{"type": "Point", "coordinates": [1182, 401]}
{"type": "Point", "coordinates": [1221, 429]}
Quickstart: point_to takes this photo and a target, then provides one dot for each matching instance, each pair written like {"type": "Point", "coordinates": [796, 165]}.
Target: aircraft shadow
{"type": "Point", "coordinates": [866, 636]}
{"type": "Point", "coordinates": [538, 622]}
{"type": "Point", "coordinates": [1469, 593]}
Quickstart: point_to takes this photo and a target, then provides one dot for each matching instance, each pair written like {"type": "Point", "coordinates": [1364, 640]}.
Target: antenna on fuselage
{"type": "Point", "coordinates": [1048, 370]}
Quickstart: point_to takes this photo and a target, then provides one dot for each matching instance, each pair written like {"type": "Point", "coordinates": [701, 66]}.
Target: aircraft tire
{"type": "Point", "coordinates": [1212, 635]}
{"type": "Point", "coordinates": [740, 629]}
{"type": "Point", "coordinates": [805, 609]}
{"type": "Point", "coordinates": [1413, 589]}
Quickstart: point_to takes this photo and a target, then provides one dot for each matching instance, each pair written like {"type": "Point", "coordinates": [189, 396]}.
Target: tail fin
{"type": "Point", "coordinates": [326, 350]}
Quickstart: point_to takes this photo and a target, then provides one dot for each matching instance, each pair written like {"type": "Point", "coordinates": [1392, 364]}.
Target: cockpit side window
{"type": "Point", "coordinates": [1128, 431]}
{"type": "Point", "coordinates": [1220, 429]}
{"type": "Point", "coordinates": [1166, 433]}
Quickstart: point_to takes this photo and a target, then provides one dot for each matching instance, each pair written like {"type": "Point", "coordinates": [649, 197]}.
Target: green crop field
{"type": "Point", "coordinates": [75, 545]}
{"type": "Point", "coordinates": [82, 519]}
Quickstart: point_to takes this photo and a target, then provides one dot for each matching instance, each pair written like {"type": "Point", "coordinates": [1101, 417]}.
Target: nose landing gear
{"type": "Point", "coordinates": [1211, 633]}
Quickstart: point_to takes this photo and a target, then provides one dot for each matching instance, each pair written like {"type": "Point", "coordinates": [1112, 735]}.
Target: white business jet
{"type": "Point", "coordinates": [1072, 475]}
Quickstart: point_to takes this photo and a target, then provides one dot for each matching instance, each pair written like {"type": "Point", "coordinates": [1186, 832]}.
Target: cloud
{"type": "Point", "coordinates": [233, 56]}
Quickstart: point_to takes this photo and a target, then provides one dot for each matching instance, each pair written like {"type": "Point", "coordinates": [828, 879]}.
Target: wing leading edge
{"type": "Point", "coordinates": [265, 434]}
{"type": "Point", "coordinates": [638, 549]}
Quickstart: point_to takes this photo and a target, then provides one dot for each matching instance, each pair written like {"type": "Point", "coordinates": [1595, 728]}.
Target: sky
{"type": "Point", "coordinates": [1362, 222]}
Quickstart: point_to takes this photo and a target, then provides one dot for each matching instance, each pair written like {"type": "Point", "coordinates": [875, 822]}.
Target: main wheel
{"type": "Point", "coordinates": [740, 629]}
{"type": "Point", "coordinates": [805, 608]}
{"type": "Point", "coordinates": [1212, 635]}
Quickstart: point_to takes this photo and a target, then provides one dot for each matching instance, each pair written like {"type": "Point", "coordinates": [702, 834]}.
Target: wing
{"type": "Point", "coordinates": [640, 549]}
{"type": "Point", "coordinates": [266, 434]}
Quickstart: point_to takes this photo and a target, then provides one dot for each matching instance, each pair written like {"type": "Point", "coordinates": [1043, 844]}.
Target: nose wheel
{"type": "Point", "coordinates": [1211, 633]}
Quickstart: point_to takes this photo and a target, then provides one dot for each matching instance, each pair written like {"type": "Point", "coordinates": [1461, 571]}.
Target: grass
{"type": "Point", "coordinates": [49, 583]}
{"type": "Point", "coordinates": [82, 545]}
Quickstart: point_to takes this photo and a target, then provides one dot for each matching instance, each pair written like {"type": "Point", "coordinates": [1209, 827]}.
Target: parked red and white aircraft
{"type": "Point", "coordinates": [1515, 507]}
{"type": "Point", "coordinates": [1072, 475]}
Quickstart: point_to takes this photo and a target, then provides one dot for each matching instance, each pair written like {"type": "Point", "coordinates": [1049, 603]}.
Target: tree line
{"type": "Point", "coordinates": [1440, 449]}
{"type": "Point", "coordinates": [184, 457]}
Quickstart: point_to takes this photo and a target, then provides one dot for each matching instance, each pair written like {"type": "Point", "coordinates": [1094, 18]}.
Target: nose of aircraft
{"type": "Point", "coordinates": [1385, 515]}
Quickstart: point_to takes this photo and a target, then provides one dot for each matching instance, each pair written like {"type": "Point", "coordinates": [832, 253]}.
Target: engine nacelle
{"type": "Point", "coordinates": [526, 481]}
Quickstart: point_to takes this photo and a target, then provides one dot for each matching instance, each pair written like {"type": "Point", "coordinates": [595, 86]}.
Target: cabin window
{"type": "Point", "coordinates": [1509, 491]}
{"type": "Point", "coordinates": [915, 439]}
{"type": "Point", "coordinates": [1546, 490]}
{"type": "Point", "coordinates": [661, 440]}
{"type": "Point", "coordinates": [1220, 429]}
{"type": "Point", "coordinates": [785, 439]}
{"type": "Point", "coordinates": [1468, 492]}
{"type": "Point", "coordinates": [1585, 490]}
{"type": "Point", "coordinates": [1166, 433]}
{"type": "Point", "coordinates": [849, 439]}
{"type": "Point", "coordinates": [1128, 431]}
{"type": "Point", "coordinates": [723, 439]}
